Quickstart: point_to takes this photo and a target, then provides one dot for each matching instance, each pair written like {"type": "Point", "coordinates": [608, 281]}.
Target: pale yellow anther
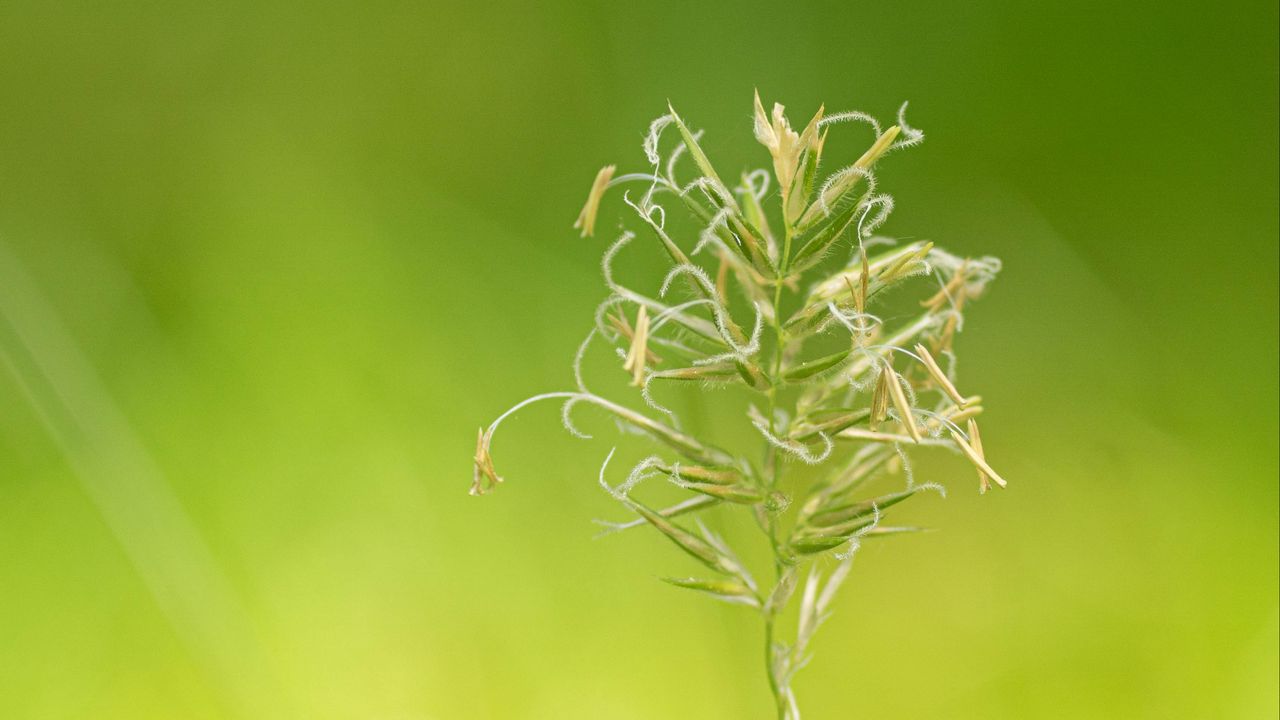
{"type": "Point", "coordinates": [586, 221]}
{"type": "Point", "coordinates": [962, 414]}
{"type": "Point", "coordinates": [974, 453]}
{"type": "Point", "coordinates": [619, 323]}
{"type": "Point", "coordinates": [944, 340]}
{"type": "Point", "coordinates": [938, 376]}
{"type": "Point", "coordinates": [899, 397]}
{"type": "Point", "coordinates": [879, 401]}
{"type": "Point", "coordinates": [975, 440]}
{"type": "Point", "coordinates": [952, 287]}
{"type": "Point", "coordinates": [639, 352]}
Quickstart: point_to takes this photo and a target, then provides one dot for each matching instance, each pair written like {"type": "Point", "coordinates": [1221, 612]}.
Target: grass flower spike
{"type": "Point", "coordinates": [839, 343]}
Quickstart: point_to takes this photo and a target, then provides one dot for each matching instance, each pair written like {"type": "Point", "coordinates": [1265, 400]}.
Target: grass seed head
{"type": "Point", "coordinates": [815, 370]}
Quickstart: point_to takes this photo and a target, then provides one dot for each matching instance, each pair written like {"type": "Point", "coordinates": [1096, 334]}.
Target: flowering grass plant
{"type": "Point", "coordinates": [777, 299]}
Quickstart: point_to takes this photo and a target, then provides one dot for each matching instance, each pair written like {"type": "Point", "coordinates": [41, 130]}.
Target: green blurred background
{"type": "Point", "coordinates": [265, 267]}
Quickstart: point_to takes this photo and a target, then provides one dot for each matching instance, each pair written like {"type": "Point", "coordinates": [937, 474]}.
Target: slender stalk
{"type": "Point", "coordinates": [779, 699]}
{"type": "Point", "coordinates": [770, 610]}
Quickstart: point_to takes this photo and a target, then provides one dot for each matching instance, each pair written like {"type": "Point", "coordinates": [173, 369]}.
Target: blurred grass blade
{"type": "Point", "coordinates": [131, 493]}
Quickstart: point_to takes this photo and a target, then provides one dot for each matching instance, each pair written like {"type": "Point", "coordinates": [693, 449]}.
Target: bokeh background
{"type": "Point", "coordinates": [266, 266]}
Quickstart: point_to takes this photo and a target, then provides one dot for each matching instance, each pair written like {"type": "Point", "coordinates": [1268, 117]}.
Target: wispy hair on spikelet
{"type": "Point", "coordinates": [841, 387]}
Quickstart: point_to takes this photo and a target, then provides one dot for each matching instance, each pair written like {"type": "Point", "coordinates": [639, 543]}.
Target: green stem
{"type": "Point", "coordinates": [784, 263]}
{"type": "Point", "coordinates": [773, 462]}
{"type": "Point", "coordinates": [779, 700]}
